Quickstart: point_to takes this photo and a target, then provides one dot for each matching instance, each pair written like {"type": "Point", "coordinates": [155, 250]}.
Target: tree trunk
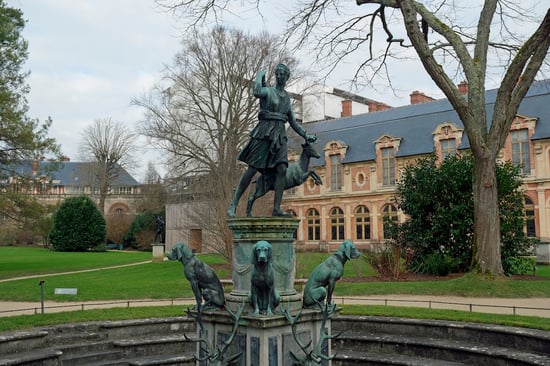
{"type": "Point", "coordinates": [487, 258]}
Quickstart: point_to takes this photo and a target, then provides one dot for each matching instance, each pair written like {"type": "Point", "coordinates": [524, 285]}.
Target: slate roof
{"type": "Point", "coordinates": [70, 173]}
{"type": "Point", "coordinates": [414, 124]}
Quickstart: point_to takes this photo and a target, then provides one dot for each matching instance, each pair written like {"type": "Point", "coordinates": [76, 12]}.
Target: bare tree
{"type": "Point", "coordinates": [153, 191]}
{"type": "Point", "coordinates": [201, 115]}
{"type": "Point", "coordinates": [110, 145]}
{"type": "Point", "coordinates": [451, 49]}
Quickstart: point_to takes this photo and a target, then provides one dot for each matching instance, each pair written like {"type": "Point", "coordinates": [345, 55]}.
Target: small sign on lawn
{"type": "Point", "coordinates": [65, 291]}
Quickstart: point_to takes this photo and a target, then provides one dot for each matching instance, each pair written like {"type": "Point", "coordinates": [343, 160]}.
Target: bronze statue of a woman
{"type": "Point", "coordinates": [266, 151]}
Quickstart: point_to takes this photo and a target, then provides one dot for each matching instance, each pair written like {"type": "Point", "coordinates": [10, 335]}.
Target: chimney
{"type": "Point", "coordinates": [382, 106]}
{"type": "Point", "coordinates": [463, 87]}
{"type": "Point", "coordinates": [418, 97]}
{"type": "Point", "coordinates": [346, 108]}
{"type": "Point", "coordinates": [375, 106]}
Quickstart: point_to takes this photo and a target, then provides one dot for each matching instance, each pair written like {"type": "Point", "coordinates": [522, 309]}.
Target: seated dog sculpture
{"type": "Point", "coordinates": [204, 281]}
{"type": "Point", "coordinates": [263, 297]}
{"type": "Point", "coordinates": [321, 282]}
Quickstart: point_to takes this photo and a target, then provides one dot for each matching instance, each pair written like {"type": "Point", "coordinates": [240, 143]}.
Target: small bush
{"type": "Point", "coordinates": [142, 230]}
{"type": "Point", "coordinates": [78, 226]}
{"type": "Point", "coordinates": [522, 265]}
{"type": "Point", "coordinates": [437, 264]}
{"type": "Point", "coordinates": [387, 261]}
{"type": "Point", "coordinates": [8, 236]}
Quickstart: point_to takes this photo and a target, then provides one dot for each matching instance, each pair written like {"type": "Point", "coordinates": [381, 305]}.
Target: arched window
{"type": "Point", "coordinates": [337, 224]}
{"type": "Point", "coordinates": [313, 224]}
{"type": "Point", "coordinates": [362, 223]}
{"type": "Point", "coordinates": [529, 208]}
{"type": "Point", "coordinates": [389, 216]}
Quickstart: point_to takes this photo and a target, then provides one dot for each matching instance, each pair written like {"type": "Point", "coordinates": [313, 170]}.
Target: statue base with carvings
{"type": "Point", "coordinates": [279, 232]}
{"type": "Point", "coordinates": [263, 339]}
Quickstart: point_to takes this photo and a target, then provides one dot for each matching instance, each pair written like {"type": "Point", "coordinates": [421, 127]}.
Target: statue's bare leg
{"type": "Point", "coordinates": [241, 187]}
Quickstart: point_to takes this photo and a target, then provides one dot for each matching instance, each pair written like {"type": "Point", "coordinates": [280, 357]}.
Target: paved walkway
{"type": "Point", "coordinates": [531, 306]}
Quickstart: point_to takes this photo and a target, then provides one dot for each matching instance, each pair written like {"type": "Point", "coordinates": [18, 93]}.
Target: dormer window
{"type": "Point", "coordinates": [335, 172]}
{"type": "Point", "coordinates": [520, 150]}
{"type": "Point", "coordinates": [386, 150]}
{"type": "Point", "coordinates": [448, 148]}
{"type": "Point", "coordinates": [335, 151]}
{"type": "Point", "coordinates": [447, 138]}
{"type": "Point", "coordinates": [388, 166]}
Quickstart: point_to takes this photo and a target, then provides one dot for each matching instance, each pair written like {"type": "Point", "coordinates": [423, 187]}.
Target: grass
{"type": "Point", "coordinates": [24, 261]}
{"type": "Point", "coordinates": [469, 285]}
{"type": "Point", "coordinates": [454, 315]}
{"type": "Point", "coordinates": [165, 280]}
{"type": "Point", "coordinates": [22, 322]}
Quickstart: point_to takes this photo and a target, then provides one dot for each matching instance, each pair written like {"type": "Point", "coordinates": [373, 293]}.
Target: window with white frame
{"type": "Point", "coordinates": [520, 150]}
{"type": "Point", "coordinates": [335, 172]}
{"type": "Point", "coordinates": [388, 166]}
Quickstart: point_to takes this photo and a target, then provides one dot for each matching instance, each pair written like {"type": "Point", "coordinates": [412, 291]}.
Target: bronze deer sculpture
{"type": "Point", "coordinates": [296, 174]}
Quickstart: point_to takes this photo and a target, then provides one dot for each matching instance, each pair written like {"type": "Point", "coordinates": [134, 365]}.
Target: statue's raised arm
{"type": "Point", "coordinates": [259, 85]}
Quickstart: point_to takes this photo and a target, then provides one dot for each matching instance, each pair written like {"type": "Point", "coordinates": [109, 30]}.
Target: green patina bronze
{"type": "Point", "coordinates": [279, 233]}
{"type": "Point", "coordinates": [266, 151]}
{"type": "Point", "coordinates": [321, 282]}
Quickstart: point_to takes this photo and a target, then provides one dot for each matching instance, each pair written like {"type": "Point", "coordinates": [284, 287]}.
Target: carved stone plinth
{"type": "Point", "coordinates": [158, 252]}
{"type": "Point", "coordinates": [279, 231]}
{"type": "Point", "coordinates": [264, 340]}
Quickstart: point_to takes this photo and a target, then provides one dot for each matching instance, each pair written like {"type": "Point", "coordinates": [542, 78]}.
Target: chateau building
{"type": "Point", "coordinates": [53, 182]}
{"type": "Point", "coordinates": [362, 157]}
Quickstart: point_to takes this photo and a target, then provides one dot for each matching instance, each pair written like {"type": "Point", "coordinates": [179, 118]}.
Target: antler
{"type": "Point", "coordinates": [217, 357]}
{"type": "Point", "coordinates": [324, 336]}
{"type": "Point", "coordinates": [236, 317]}
{"type": "Point", "coordinates": [304, 347]}
{"type": "Point", "coordinates": [316, 355]}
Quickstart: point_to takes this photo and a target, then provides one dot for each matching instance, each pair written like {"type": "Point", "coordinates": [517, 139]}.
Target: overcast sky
{"type": "Point", "coordinates": [89, 58]}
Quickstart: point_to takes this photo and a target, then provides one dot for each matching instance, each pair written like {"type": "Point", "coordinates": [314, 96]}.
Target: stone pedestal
{"type": "Point", "coordinates": [158, 252]}
{"type": "Point", "coordinates": [264, 340]}
{"type": "Point", "coordinates": [279, 231]}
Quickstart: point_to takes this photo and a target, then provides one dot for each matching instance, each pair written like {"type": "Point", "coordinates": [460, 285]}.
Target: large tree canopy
{"type": "Point", "coordinates": [470, 36]}
{"type": "Point", "coordinates": [20, 137]}
{"type": "Point", "coordinates": [437, 197]}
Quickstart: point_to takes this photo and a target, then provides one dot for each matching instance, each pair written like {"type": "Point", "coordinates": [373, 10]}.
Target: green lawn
{"type": "Point", "coordinates": [165, 280]}
{"type": "Point", "coordinates": [21, 322]}
{"type": "Point", "coordinates": [24, 261]}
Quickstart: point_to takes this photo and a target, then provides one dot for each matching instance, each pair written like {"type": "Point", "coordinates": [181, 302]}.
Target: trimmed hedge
{"type": "Point", "coordinates": [78, 226]}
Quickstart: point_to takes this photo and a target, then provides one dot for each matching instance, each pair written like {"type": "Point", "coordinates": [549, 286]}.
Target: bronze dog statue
{"type": "Point", "coordinates": [321, 282]}
{"type": "Point", "coordinates": [204, 281]}
{"type": "Point", "coordinates": [263, 297]}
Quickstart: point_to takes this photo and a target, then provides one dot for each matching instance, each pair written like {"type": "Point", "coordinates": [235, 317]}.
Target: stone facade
{"type": "Point", "coordinates": [364, 155]}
